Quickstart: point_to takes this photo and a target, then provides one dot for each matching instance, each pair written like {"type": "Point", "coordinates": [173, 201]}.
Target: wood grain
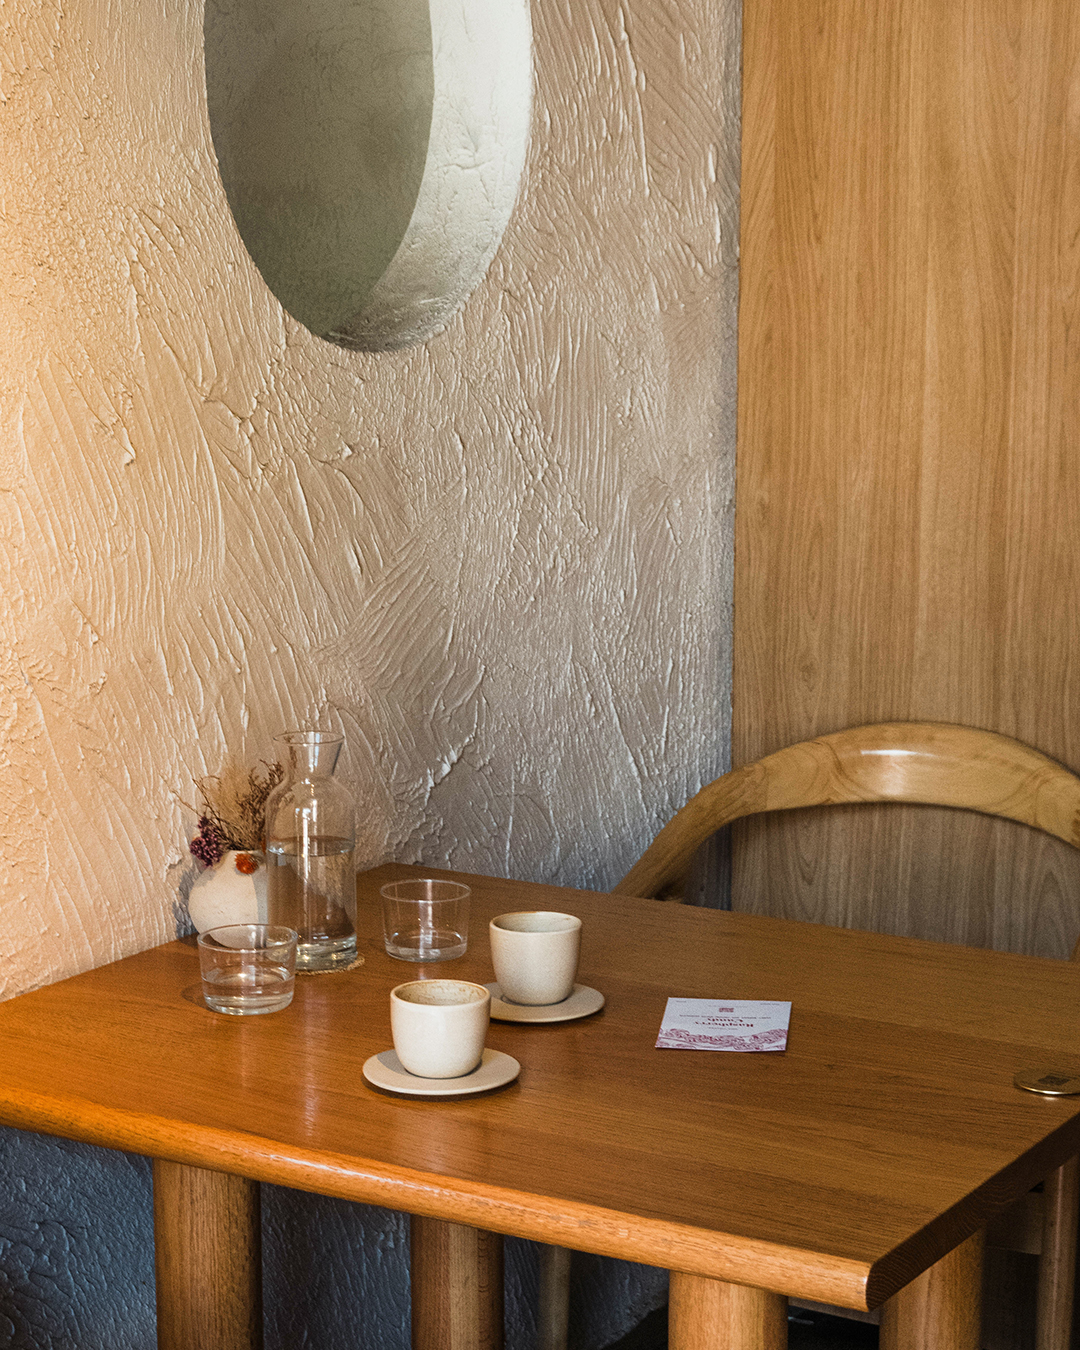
{"type": "Point", "coordinates": [708, 1314]}
{"type": "Point", "coordinates": [207, 1259]}
{"type": "Point", "coordinates": [905, 762]}
{"type": "Point", "coordinates": [886, 1134]}
{"type": "Point", "coordinates": [925, 762]}
{"type": "Point", "coordinates": [456, 1281]}
{"type": "Point", "coordinates": [941, 1310]}
{"type": "Point", "coordinates": [1057, 1268]}
{"type": "Point", "coordinates": [907, 479]}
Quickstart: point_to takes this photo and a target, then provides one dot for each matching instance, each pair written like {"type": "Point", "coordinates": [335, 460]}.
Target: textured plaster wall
{"type": "Point", "coordinates": [499, 562]}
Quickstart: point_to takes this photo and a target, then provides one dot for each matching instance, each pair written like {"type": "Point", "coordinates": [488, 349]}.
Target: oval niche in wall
{"type": "Point", "coordinates": [371, 152]}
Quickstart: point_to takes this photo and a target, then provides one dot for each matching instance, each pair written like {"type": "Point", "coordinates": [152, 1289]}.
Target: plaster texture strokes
{"type": "Point", "coordinates": [499, 562]}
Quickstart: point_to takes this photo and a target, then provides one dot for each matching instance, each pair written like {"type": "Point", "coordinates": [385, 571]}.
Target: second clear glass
{"type": "Point", "coordinates": [310, 852]}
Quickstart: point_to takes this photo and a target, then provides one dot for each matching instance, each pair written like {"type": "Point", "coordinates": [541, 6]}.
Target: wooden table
{"type": "Point", "coordinates": [879, 1143]}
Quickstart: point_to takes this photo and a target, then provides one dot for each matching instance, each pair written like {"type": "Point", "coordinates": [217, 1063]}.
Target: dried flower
{"type": "Point", "coordinates": [208, 845]}
{"type": "Point", "coordinates": [233, 804]}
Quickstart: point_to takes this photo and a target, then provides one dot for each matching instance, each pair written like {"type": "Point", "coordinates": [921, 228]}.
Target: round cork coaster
{"type": "Point", "coordinates": [337, 970]}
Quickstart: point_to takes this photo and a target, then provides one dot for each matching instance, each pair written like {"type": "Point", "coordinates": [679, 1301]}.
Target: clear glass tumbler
{"type": "Point", "coordinates": [310, 852]}
{"type": "Point", "coordinates": [248, 968]}
{"type": "Point", "coordinates": [426, 919]}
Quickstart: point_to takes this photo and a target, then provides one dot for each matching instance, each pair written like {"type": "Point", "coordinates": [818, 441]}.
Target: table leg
{"type": "Point", "coordinates": [457, 1286]}
{"type": "Point", "coordinates": [553, 1305]}
{"type": "Point", "coordinates": [706, 1314]}
{"type": "Point", "coordinates": [207, 1258]}
{"type": "Point", "coordinates": [942, 1308]}
{"type": "Point", "coordinates": [1057, 1264]}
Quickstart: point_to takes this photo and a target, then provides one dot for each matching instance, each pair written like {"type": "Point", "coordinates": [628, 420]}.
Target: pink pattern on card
{"type": "Point", "coordinates": [773, 1039]}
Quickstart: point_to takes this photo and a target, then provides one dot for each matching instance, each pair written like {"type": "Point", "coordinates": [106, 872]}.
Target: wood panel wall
{"type": "Point", "coordinates": [908, 494]}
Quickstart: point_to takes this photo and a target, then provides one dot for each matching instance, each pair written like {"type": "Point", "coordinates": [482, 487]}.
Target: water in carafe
{"type": "Point", "coordinates": [310, 852]}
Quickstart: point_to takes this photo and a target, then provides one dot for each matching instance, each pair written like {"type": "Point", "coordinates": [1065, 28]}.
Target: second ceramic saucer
{"type": "Point", "coordinates": [384, 1070]}
{"type": "Point", "coordinates": [582, 1002]}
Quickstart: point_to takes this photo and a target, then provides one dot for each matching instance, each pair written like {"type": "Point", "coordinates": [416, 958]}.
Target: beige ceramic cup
{"type": "Point", "coordinates": [439, 1026]}
{"type": "Point", "coordinates": [535, 955]}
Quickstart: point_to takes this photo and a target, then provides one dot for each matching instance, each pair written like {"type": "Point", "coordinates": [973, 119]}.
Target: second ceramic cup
{"type": "Point", "coordinates": [535, 955]}
{"type": "Point", "coordinates": [439, 1026]}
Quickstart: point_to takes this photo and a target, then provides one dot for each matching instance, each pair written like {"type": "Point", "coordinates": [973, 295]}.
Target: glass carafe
{"type": "Point", "coordinates": [310, 847]}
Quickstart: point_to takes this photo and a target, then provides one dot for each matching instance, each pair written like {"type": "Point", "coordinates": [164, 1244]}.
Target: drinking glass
{"type": "Point", "coordinates": [426, 919]}
{"type": "Point", "coordinates": [248, 968]}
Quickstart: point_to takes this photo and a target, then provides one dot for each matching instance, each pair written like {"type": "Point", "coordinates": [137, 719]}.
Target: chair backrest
{"type": "Point", "coordinates": [934, 763]}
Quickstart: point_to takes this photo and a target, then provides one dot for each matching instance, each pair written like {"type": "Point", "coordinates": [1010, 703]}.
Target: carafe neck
{"type": "Point", "coordinates": [310, 754]}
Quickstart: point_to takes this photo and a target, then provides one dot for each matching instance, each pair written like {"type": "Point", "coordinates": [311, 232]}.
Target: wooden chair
{"type": "Point", "coordinates": [929, 763]}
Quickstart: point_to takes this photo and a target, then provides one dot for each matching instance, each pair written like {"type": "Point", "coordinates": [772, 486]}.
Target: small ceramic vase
{"type": "Point", "coordinates": [232, 891]}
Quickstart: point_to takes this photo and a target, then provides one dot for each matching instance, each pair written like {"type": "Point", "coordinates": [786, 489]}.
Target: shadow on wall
{"type": "Point", "coordinates": [77, 1263]}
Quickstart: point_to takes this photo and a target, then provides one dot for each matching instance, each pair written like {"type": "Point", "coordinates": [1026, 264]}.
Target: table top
{"type": "Point", "coordinates": [888, 1131]}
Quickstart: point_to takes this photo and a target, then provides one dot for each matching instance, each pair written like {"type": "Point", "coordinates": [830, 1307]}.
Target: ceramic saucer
{"type": "Point", "coordinates": [581, 1002]}
{"type": "Point", "coordinates": [384, 1070]}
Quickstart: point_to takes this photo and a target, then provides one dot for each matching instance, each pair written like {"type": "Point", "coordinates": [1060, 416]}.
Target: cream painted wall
{"type": "Point", "coordinates": [498, 562]}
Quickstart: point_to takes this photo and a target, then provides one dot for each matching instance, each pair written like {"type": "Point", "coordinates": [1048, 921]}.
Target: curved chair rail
{"type": "Point", "coordinates": [933, 763]}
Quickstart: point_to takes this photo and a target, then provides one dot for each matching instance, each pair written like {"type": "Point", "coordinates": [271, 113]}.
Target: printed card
{"type": "Point", "coordinates": [724, 1024]}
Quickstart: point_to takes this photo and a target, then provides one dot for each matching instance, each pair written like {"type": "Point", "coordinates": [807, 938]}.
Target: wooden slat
{"type": "Point", "coordinates": [208, 1259]}
{"type": "Point", "coordinates": [710, 1315]}
{"type": "Point", "coordinates": [456, 1281]}
{"type": "Point", "coordinates": [908, 485]}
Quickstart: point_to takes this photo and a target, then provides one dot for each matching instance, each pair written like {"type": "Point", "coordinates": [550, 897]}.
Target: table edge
{"type": "Point", "coordinates": [797, 1272]}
